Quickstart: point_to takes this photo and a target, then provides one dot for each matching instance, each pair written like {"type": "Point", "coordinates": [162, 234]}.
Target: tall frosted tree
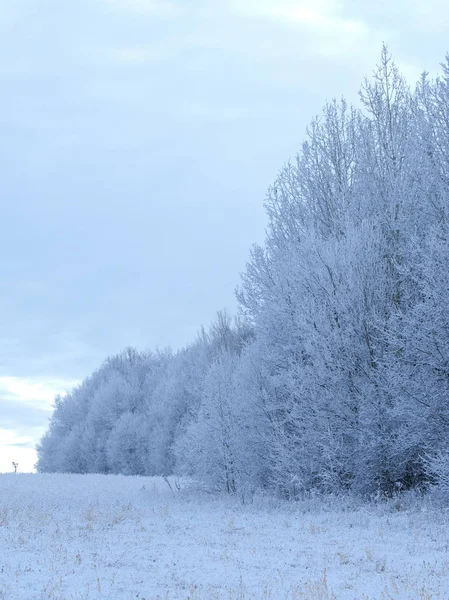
{"type": "Point", "coordinates": [339, 264]}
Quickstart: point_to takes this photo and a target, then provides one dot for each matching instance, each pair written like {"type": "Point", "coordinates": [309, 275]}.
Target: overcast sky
{"type": "Point", "coordinates": [138, 138]}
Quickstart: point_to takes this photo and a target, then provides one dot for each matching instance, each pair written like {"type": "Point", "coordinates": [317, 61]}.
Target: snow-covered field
{"type": "Point", "coordinates": [96, 536]}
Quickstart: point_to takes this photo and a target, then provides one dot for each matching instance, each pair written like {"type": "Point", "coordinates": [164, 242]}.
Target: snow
{"type": "Point", "coordinates": [103, 536]}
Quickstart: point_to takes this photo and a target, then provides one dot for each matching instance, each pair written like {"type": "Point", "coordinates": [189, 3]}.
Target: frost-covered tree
{"type": "Point", "coordinates": [78, 439]}
{"type": "Point", "coordinates": [344, 250]}
{"type": "Point", "coordinates": [129, 446]}
{"type": "Point", "coordinates": [132, 416]}
{"type": "Point", "coordinates": [208, 443]}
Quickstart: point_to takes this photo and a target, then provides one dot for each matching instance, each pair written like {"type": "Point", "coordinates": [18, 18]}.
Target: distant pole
{"type": "Point", "coordinates": [15, 465]}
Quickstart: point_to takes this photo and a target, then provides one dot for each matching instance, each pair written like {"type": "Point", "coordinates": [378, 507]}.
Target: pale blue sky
{"type": "Point", "coordinates": [138, 139]}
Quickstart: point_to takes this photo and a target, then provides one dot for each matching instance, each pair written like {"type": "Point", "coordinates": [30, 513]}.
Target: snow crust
{"type": "Point", "coordinates": [116, 537]}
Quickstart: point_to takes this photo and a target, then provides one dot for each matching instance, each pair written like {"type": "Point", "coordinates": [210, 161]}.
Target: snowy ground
{"type": "Point", "coordinates": [108, 537]}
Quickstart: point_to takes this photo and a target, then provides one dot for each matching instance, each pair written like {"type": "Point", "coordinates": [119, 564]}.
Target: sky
{"type": "Point", "coordinates": [139, 138]}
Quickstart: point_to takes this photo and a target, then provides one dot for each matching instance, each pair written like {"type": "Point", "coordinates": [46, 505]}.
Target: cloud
{"type": "Point", "coordinates": [20, 416]}
{"type": "Point", "coordinates": [25, 403]}
{"type": "Point", "coordinates": [320, 15]}
{"type": "Point", "coordinates": [25, 409]}
{"type": "Point", "coordinates": [33, 390]}
{"type": "Point", "coordinates": [135, 56]}
{"type": "Point", "coordinates": [27, 444]}
{"type": "Point", "coordinates": [326, 31]}
{"type": "Point", "coordinates": [160, 8]}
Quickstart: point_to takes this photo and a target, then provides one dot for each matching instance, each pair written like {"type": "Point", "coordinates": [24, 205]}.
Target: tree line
{"type": "Point", "coordinates": [335, 375]}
